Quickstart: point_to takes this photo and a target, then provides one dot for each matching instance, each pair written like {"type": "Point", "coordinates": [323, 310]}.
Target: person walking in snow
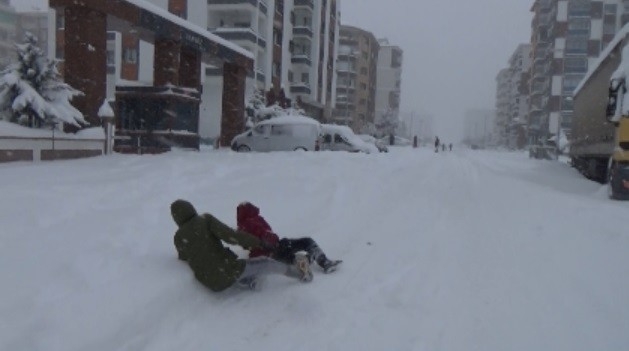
{"type": "Point", "coordinates": [199, 241]}
{"type": "Point", "coordinates": [437, 144]}
{"type": "Point", "coordinates": [285, 249]}
{"type": "Point", "coordinates": [450, 146]}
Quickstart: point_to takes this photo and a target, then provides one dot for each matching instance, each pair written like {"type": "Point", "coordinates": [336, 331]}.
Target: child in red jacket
{"type": "Point", "coordinates": [249, 220]}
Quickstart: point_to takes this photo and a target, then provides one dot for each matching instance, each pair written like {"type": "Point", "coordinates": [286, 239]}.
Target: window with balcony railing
{"type": "Point", "coordinates": [575, 65]}
{"type": "Point", "coordinates": [578, 8]}
{"type": "Point", "coordinates": [579, 26]}
{"type": "Point", "coordinates": [576, 45]}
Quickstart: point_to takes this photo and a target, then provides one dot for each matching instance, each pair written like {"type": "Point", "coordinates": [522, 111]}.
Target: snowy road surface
{"type": "Point", "coordinates": [469, 250]}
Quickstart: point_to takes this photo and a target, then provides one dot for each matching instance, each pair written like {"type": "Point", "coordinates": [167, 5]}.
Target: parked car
{"type": "Point", "coordinates": [372, 140]}
{"type": "Point", "coordinates": [342, 138]}
{"type": "Point", "coordinates": [284, 133]}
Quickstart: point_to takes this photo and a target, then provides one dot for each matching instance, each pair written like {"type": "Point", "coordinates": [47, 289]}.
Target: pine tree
{"type": "Point", "coordinates": [32, 92]}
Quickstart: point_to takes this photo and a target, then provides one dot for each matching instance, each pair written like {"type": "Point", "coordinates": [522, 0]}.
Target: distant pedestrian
{"type": "Point", "coordinates": [450, 146]}
{"type": "Point", "coordinates": [443, 147]}
{"type": "Point", "coordinates": [437, 142]}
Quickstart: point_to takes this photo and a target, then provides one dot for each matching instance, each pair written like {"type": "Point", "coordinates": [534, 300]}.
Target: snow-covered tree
{"type": "Point", "coordinates": [258, 110]}
{"type": "Point", "coordinates": [387, 123]}
{"type": "Point", "coordinates": [32, 92]}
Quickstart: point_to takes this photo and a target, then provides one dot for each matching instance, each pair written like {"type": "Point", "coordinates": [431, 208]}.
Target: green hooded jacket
{"type": "Point", "coordinates": [199, 241]}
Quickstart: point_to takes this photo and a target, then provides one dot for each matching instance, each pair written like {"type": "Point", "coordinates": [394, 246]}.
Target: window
{"type": "Point", "coordinates": [281, 129]}
{"type": "Point", "coordinates": [130, 55]}
{"type": "Point", "coordinates": [61, 21]}
{"type": "Point", "coordinates": [575, 65]}
{"type": "Point", "coordinates": [579, 8]}
{"type": "Point", "coordinates": [110, 58]}
{"type": "Point", "coordinates": [579, 26]}
{"type": "Point", "coordinates": [570, 83]}
{"type": "Point", "coordinates": [305, 78]}
{"type": "Point", "coordinates": [610, 9]}
{"type": "Point", "coordinates": [576, 45]}
{"type": "Point", "coordinates": [277, 37]}
{"type": "Point", "coordinates": [262, 129]}
{"type": "Point", "coordinates": [609, 28]}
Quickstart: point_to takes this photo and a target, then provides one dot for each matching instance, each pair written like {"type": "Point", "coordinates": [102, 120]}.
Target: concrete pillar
{"type": "Point", "coordinates": [167, 61]}
{"type": "Point", "coordinates": [85, 65]}
{"type": "Point", "coordinates": [233, 118]}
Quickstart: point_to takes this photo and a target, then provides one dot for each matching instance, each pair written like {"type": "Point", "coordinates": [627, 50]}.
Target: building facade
{"type": "Point", "coordinates": [566, 39]}
{"type": "Point", "coordinates": [512, 104]}
{"type": "Point", "coordinates": [34, 22]}
{"type": "Point", "coordinates": [388, 79]}
{"type": "Point", "coordinates": [8, 19]}
{"type": "Point", "coordinates": [314, 38]}
{"type": "Point", "coordinates": [356, 79]}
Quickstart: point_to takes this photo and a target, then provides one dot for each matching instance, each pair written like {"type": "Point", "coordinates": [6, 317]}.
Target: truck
{"type": "Point", "coordinates": [599, 140]}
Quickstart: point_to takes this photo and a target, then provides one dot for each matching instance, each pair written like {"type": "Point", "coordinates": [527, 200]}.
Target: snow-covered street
{"type": "Point", "coordinates": [463, 250]}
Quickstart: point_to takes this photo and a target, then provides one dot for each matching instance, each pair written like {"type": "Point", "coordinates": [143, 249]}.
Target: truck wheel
{"type": "Point", "coordinates": [301, 148]}
{"type": "Point", "coordinates": [244, 148]}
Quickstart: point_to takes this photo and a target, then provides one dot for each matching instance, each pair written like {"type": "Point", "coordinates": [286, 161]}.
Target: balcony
{"type": "Point", "coordinates": [301, 59]}
{"type": "Point", "coordinates": [343, 87]}
{"type": "Point", "coordinates": [352, 54]}
{"type": "Point", "coordinates": [302, 32]}
{"type": "Point", "coordinates": [305, 4]}
{"type": "Point", "coordinates": [239, 34]}
{"type": "Point", "coordinates": [300, 88]}
{"type": "Point", "coordinates": [235, 4]}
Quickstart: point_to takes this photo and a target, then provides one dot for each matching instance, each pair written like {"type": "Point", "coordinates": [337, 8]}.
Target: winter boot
{"type": "Point", "coordinates": [302, 265]}
{"type": "Point", "coordinates": [330, 266]}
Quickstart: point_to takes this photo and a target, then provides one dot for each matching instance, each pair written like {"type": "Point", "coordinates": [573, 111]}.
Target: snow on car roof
{"type": "Point", "coordinates": [291, 119]}
{"type": "Point", "coordinates": [338, 127]}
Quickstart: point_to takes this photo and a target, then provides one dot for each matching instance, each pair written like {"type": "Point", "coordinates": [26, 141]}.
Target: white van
{"type": "Point", "coordinates": [342, 138]}
{"type": "Point", "coordinates": [284, 133]}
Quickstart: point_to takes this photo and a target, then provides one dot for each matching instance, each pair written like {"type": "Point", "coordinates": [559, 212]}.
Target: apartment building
{"type": "Point", "coordinates": [356, 78]}
{"type": "Point", "coordinates": [503, 100]}
{"type": "Point", "coordinates": [389, 79]}
{"type": "Point", "coordinates": [314, 32]}
{"type": "Point", "coordinates": [295, 43]}
{"type": "Point", "coordinates": [8, 20]}
{"type": "Point", "coordinates": [512, 105]}
{"type": "Point", "coordinates": [566, 39]}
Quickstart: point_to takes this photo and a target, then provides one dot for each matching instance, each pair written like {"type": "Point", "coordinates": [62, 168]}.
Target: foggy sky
{"type": "Point", "coordinates": [453, 49]}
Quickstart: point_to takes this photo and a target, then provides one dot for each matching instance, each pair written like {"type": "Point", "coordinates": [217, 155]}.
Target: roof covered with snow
{"type": "Point", "coordinates": [189, 25]}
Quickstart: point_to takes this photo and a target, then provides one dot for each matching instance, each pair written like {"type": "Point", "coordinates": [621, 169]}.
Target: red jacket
{"type": "Point", "coordinates": [249, 220]}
